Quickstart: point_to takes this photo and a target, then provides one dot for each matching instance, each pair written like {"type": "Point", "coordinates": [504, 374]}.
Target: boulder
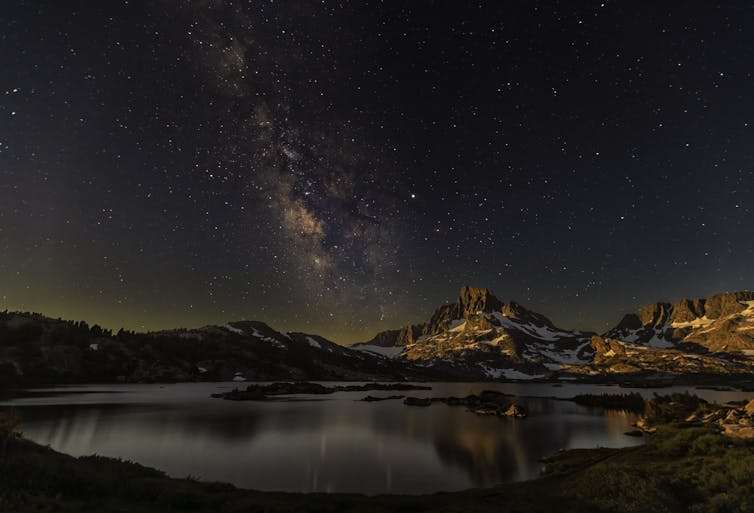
{"type": "Point", "coordinates": [515, 411]}
{"type": "Point", "coordinates": [749, 408]}
{"type": "Point", "coordinates": [737, 431]}
{"type": "Point", "coordinates": [732, 417]}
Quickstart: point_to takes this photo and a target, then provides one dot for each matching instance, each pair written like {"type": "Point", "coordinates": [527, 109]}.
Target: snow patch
{"type": "Point", "coordinates": [257, 334]}
{"type": "Point", "coordinates": [541, 332]}
{"type": "Point", "coordinates": [457, 325]}
{"type": "Point", "coordinates": [313, 343]}
{"type": "Point", "coordinates": [699, 322]}
{"type": "Point", "coordinates": [561, 355]}
{"type": "Point", "coordinates": [508, 373]}
{"type": "Point", "coordinates": [233, 329]}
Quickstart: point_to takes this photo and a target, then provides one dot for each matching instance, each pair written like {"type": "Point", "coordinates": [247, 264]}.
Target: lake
{"type": "Point", "coordinates": [331, 443]}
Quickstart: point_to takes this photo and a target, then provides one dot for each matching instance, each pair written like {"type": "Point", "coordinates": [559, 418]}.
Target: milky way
{"type": "Point", "coordinates": [344, 167]}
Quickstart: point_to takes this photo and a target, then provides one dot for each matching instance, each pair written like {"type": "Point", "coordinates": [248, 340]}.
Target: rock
{"type": "Point", "coordinates": [515, 411]}
{"type": "Point", "coordinates": [512, 410]}
{"type": "Point", "coordinates": [713, 416]}
{"type": "Point", "coordinates": [693, 418]}
{"type": "Point", "coordinates": [408, 334]}
{"type": "Point", "coordinates": [726, 303]}
{"type": "Point", "coordinates": [644, 426]}
{"type": "Point", "coordinates": [630, 322]}
{"type": "Point", "coordinates": [749, 408]}
{"type": "Point", "coordinates": [470, 301]}
{"type": "Point", "coordinates": [634, 432]}
{"type": "Point", "coordinates": [371, 399]}
{"type": "Point", "coordinates": [607, 348]}
{"type": "Point", "coordinates": [732, 417]}
{"type": "Point", "coordinates": [654, 314]}
{"type": "Point", "coordinates": [736, 431]}
{"type": "Point", "coordinates": [687, 310]}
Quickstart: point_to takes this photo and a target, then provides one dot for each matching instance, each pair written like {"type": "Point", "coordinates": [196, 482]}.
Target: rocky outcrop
{"type": "Point", "coordinates": [612, 356]}
{"type": "Point", "coordinates": [729, 303]}
{"type": "Point", "coordinates": [408, 334]}
{"type": "Point", "coordinates": [513, 310]}
{"type": "Point", "coordinates": [721, 323]}
{"type": "Point", "coordinates": [470, 302]}
{"type": "Point", "coordinates": [654, 314]}
{"type": "Point", "coordinates": [686, 310]}
{"type": "Point", "coordinates": [736, 421]}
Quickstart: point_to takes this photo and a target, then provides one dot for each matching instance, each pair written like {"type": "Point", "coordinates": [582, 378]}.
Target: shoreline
{"type": "Point", "coordinates": [688, 463]}
{"type": "Point", "coordinates": [32, 475]}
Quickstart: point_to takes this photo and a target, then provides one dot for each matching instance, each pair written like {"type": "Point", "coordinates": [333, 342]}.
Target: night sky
{"type": "Point", "coordinates": [345, 167]}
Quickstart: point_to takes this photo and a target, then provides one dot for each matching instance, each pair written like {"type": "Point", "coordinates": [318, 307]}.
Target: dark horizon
{"type": "Point", "coordinates": [344, 169]}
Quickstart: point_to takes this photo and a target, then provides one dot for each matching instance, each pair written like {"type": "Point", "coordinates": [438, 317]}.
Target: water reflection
{"type": "Point", "coordinates": [334, 445]}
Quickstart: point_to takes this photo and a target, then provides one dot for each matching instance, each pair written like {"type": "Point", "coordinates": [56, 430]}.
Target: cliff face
{"type": "Point", "coordinates": [613, 356]}
{"type": "Point", "coordinates": [393, 338]}
{"type": "Point", "coordinates": [721, 323]}
{"type": "Point", "coordinates": [471, 300]}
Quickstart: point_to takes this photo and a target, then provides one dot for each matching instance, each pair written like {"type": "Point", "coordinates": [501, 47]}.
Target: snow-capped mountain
{"type": "Point", "coordinates": [477, 337]}
{"type": "Point", "coordinates": [721, 323]}
{"type": "Point", "coordinates": [483, 335]}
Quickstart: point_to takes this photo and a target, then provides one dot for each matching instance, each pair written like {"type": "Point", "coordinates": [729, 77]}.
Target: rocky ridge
{"type": "Point", "coordinates": [721, 323]}
{"type": "Point", "coordinates": [479, 334]}
{"type": "Point", "coordinates": [476, 337]}
{"type": "Point", "coordinates": [504, 340]}
{"type": "Point", "coordinates": [38, 349]}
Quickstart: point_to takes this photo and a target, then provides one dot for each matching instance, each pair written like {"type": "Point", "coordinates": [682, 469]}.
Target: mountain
{"type": "Point", "coordinates": [482, 337]}
{"type": "Point", "coordinates": [476, 337]}
{"type": "Point", "coordinates": [721, 323]}
{"type": "Point", "coordinates": [38, 349]}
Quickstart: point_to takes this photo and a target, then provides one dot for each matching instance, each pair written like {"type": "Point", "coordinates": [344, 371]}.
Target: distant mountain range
{"type": "Point", "coordinates": [486, 337]}
{"type": "Point", "coordinates": [478, 337]}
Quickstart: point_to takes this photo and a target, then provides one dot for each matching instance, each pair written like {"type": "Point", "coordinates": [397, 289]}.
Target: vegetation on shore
{"type": "Point", "coordinates": [263, 392]}
{"type": "Point", "coordinates": [682, 468]}
{"type": "Point", "coordinates": [488, 402]}
{"type": "Point", "coordinates": [633, 402]}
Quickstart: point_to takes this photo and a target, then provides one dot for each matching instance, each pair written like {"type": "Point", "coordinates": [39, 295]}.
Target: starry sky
{"type": "Point", "coordinates": [345, 167]}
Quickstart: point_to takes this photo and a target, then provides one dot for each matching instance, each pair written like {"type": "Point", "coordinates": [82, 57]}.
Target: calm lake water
{"type": "Point", "coordinates": [332, 443]}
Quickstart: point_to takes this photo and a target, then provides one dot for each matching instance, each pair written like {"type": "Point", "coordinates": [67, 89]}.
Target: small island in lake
{"type": "Point", "coordinates": [264, 392]}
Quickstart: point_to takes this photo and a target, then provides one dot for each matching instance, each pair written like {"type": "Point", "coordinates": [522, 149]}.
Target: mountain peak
{"type": "Point", "coordinates": [476, 299]}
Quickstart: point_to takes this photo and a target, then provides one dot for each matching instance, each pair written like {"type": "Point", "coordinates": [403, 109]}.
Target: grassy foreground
{"type": "Point", "coordinates": [680, 469]}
